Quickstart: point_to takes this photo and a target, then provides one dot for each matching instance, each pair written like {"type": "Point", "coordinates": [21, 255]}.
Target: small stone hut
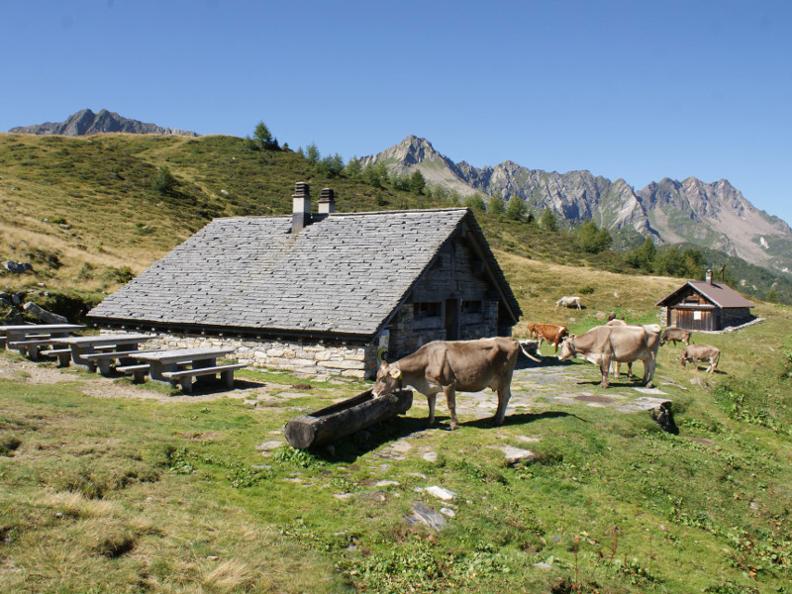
{"type": "Point", "coordinates": [705, 305]}
{"type": "Point", "coordinates": [325, 292]}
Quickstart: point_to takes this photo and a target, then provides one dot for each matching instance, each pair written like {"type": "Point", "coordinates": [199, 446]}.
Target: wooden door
{"type": "Point", "coordinates": [452, 319]}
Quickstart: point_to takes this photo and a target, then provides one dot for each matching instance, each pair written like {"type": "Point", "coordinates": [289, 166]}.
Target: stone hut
{"type": "Point", "coordinates": [705, 305]}
{"type": "Point", "coordinates": [325, 292]}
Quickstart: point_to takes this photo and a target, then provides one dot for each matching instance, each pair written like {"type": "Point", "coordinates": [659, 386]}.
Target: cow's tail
{"type": "Point", "coordinates": [527, 354]}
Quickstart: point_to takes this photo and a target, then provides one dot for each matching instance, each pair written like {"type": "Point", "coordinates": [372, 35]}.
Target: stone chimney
{"type": "Point", "coordinates": [301, 206]}
{"type": "Point", "coordinates": [708, 276]}
{"type": "Point", "coordinates": [326, 201]}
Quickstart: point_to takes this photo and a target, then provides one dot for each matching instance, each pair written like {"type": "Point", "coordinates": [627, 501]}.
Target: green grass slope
{"type": "Point", "coordinates": [110, 487]}
{"type": "Point", "coordinates": [84, 210]}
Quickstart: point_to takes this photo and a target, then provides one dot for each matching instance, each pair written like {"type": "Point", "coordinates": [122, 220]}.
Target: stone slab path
{"type": "Point", "coordinates": [539, 388]}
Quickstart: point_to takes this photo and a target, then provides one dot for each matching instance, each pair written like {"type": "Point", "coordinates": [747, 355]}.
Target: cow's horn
{"type": "Point", "coordinates": [527, 354]}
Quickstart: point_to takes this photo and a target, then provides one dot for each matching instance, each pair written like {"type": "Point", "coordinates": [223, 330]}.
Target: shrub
{"type": "Point", "coordinates": [164, 182]}
{"type": "Point", "coordinates": [50, 259]}
{"type": "Point", "coordinates": [119, 275]}
{"type": "Point", "coordinates": [8, 445]}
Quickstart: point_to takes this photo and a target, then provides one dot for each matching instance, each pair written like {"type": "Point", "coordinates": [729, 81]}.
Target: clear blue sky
{"type": "Point", "coordinates": [639, 90]}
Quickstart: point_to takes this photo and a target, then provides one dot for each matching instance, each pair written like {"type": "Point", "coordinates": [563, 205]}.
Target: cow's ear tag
{"type": "Point", "coordinates": [395, 373]}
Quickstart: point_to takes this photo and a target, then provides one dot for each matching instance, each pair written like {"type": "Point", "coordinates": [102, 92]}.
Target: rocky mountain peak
{"type": "Point", "coordinates": [709, 214]}
{"type": "Point", "coordinates": [414, 149]}
{"type": "Point", "coordinates": [86, 121]}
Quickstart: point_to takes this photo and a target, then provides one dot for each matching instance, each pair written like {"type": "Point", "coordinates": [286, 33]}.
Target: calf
{"type": "Point", "coordinates": [675, 335]}
{"type": "Point", "coordinates": [695, 353]}
{"type": "Point", "coordinates": [448, 366]}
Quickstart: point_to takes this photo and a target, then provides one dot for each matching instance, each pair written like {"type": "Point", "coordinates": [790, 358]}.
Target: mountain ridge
{"type": "Point", "coordinates": [87, 122]}
{"type": "Point", "coordinates": [708, 214]}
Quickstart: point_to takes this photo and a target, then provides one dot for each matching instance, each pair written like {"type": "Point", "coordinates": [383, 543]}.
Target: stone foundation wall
{"type": "Point", "coordinates": [303, 357]}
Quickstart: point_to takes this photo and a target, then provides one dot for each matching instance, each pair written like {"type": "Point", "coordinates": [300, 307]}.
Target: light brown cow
{"type": "Point", "coordinates": [624, 344]}
{"type": "Point", "coordinates": [550, 333]}
{"type": "Point", "coordinates": [615, 365]}
{"type": "Point", "coordinates": [675, 335]}
{"type": "Point", "coordinates": [451, 366]}
{"type": "Point", "coordinates": [694, 353]}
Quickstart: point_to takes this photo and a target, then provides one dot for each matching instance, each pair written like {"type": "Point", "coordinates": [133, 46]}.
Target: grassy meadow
{"type": "Point", "coordinates": [110, 487]}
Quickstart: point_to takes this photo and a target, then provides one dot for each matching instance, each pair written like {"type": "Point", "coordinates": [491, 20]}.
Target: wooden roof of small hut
{"type": "Point", "coordinates": [719, 294]}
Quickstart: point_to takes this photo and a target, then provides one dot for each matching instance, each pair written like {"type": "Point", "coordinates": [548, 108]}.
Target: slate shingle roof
{"type": "Point", "coordinates": [721, 295]}
{"type": "Point", "coordinates": [342, 275]}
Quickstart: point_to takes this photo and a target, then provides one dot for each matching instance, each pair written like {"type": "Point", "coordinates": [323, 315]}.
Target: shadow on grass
{"type": "Point", "coordinates": [524, 362]}
{"type": "Point", "coordinates": [211, 386]}
{"type": "Point", "coordinates": [349, 449]}
{"type": "Point", "coordinates": [519, 419]}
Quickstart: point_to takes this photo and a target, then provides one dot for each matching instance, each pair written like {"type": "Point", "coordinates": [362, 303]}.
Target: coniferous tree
{"type": "Point", "coordinates": [353, 168]}
{"type": "Point", "coordinates": [475, 203]}
{"type": "Point", "coordinates": [312, 153]}
{"type": "Point", "coordinates": [495, 206]}
{"type": "Point", "coordinates": [515, 209]}
{"type": "Point", "coordinates": [548, 220]}
{"type": "Point", "coordinates": [417, 182]}
{"type": "Point", "coordinates": [264, 138]}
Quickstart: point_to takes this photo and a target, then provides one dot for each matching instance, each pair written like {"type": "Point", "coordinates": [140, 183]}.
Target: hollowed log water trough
{"type": "Point", "coordinates": [342, 419]}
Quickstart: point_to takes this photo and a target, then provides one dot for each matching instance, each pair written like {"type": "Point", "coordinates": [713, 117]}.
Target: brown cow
{"type": "Point", "coordinates": [675, 335]}
{"type": "Point", "coordinates": [451, 366]}
{"type": "Point", "coordinates": [694, 353]}
{"type": "Point", "coordinates": [604, 344]}
{"type": "Point", "coordinates": [550, 333]}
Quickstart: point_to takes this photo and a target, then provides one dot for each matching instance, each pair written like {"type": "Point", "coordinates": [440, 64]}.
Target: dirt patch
{"type": "Point", "coordinates": [31, 372]}
{"type": "Point", "coordinates": [102, 388]}
{"type": "Point", "coordinates": [201, 436]}
{"type": "Point", "coordinates": [108, 388]}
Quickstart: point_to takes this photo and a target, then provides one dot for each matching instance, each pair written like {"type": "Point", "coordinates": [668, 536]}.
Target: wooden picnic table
{"type": "Point", "coordinates": [84, 345]}
{"type": "Point", "coordinates": [168, 361]}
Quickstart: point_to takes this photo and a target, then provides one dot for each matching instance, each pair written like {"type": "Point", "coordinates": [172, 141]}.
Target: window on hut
{"type": "Point", "coordinates": [471, 307]}
{"type": "Point", "coordinates": [426, 310]}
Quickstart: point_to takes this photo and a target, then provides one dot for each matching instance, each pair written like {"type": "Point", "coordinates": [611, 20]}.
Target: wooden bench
{"type": "Point", "coordinates": [185, 376]}
{"type": "Point", "coordinates": [138, 372]}
{"type": "Point", "coordinates": [63, 355]}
